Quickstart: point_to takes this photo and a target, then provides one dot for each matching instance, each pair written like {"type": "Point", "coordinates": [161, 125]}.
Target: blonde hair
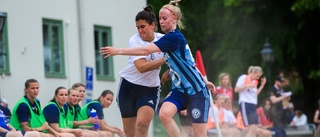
{"type": "Point", "coordinates": [254, 69]}
{"type": "Point", "coordinates": [223, 75]}
{"type": "Point", "coordinates": [175, 10]}
{"type": "Point", "coordinates": [216, 96]}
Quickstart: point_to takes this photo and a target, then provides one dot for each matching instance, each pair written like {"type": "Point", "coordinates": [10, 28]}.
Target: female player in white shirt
{"type": "Point", "coordinates": [139, 89]}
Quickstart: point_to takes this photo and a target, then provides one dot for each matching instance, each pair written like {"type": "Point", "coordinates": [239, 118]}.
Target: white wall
{"type": "Point", "coordinates": [24, 20]}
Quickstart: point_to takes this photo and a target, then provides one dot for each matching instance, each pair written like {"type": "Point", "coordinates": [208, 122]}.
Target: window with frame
{"type": "Point", "coordinates": [4, 51]}
{"type": "Point", "coordinates": [53, 48]}
{"type": "Point", "coordinates": [104, 66]}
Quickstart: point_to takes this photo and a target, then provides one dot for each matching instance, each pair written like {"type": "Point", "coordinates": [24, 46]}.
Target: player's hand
{"type": "Point", "coordinates": [45, 126]}
{"type": "Point", "coordinates": [92, 120]}
{"type": "Point", "coordinates": [58, 134]}
{"type": "Point", "coordinates": [108, 51]}
{"type": "Point", "coordinates": [121, 133]}
{"type": "Point", "coordinates": [211, 86]}
{"type": "Point", "coordinates": [78, 132]}
{"type": "Point", "coordinates": [165, 77]}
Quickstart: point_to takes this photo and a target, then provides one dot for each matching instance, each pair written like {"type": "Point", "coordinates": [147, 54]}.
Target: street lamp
{"type": "Point", "coordinates": [2, 20]}
{"type": "Point", "coordinates": [267, 56]}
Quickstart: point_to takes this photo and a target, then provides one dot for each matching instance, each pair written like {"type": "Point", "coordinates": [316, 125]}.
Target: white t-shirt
{"type": "Point", "coordinates": [131, 73]}
{"type": "Point", "coordinates": [230, 116]}
{"type": "Point", "coordinates": [248, 95]}
{"type": "Point", "coordinates": [300, 121]}
{"type": "Point", "coordinates": [217, 112]}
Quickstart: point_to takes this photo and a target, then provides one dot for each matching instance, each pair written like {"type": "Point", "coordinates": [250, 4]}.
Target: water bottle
{"type": "Point", "coordinates": [96, 125]}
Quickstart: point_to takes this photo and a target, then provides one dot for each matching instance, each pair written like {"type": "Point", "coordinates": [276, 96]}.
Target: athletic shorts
{"type": "Point", "coordinates": [249, 113]}
{"type": "Point", "coordinates": [132, 96]}
{"type": "Point", "coordinates": [198, 104]}
{"type": "Point", "coordinates": [3, 134]}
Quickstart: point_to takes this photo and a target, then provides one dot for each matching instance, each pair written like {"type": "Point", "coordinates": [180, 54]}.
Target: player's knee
{"type": "Point", "coordinates": [14, 134]}
{"type": "Point", "coordinates": [108, 134]}
{"type": "Point", "coordinates": [164, 116]}
{"type": "Point", "coordinates": [142, 127]}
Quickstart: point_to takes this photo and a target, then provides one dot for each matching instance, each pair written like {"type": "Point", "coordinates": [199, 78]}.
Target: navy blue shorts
{"type": "Point", "coordinates": [198, 104]}
{"type": "Point", "coordinates": [249, 113]}
{"type": "Point", "coordinates": [132, 96]}
{"type": "Point", "coordinates": [3, 134]}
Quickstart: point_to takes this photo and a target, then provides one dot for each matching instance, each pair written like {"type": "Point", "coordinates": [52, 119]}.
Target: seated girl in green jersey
{"type": "Point", "coordinates": [104, 101]}
{"type": "Point", "coordinates": [27, 113]}
{"type": "Point", "coordinates": [55, 114]}
{"type": "Point", "coordinates": [73, 122]}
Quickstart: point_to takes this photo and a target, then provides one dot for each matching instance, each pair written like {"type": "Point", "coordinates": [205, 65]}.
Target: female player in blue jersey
{"type": "Point", "coordinates": [189, 90]}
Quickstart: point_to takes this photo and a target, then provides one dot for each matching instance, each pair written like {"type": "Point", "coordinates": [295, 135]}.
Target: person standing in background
{"type": "Point", "coordinates": [225, 87]}
{"type": "Point", "coordinates": [276, 96]}
{"type": "Point", "coordinates": [248, 91]}
{"type": "Point", "coordinates": [316, 117]}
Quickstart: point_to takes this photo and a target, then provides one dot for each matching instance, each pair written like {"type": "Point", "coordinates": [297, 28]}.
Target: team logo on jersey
{"type": "Point", "coordinates": [195, 113]}
{"type": "Point", "coordinates": [151, 102]}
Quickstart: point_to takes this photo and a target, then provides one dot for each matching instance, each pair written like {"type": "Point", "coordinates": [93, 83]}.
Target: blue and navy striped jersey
{"type": "Point", "coordinates": [183, 72]}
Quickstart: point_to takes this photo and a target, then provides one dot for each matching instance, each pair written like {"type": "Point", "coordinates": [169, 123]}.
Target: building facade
{"type": "Point", "coordinates": [57, 43]}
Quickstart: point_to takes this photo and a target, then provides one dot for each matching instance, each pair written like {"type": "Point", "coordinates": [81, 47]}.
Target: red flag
{"type": "Point", "coordinates": [199, 64]}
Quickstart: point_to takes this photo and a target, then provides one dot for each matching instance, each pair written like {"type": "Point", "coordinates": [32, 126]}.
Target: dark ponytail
{"type": "Point", "coordinates": [148, 15]}
{"type": "Point", "coordinates": [56, 92]}
{"type": "Point", "coordinates": [105, 93]}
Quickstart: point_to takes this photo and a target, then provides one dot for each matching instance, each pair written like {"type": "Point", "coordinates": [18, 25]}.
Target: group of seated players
{"type": "Point", "coordinates": [61, 117]}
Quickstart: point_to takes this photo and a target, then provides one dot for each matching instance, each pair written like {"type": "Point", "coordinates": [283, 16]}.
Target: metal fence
{"type": "Point", "coordinates": [304, 131]}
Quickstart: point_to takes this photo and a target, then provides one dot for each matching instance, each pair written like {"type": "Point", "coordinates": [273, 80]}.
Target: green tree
{"type": "Point", "coordinates": [231, 34]}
